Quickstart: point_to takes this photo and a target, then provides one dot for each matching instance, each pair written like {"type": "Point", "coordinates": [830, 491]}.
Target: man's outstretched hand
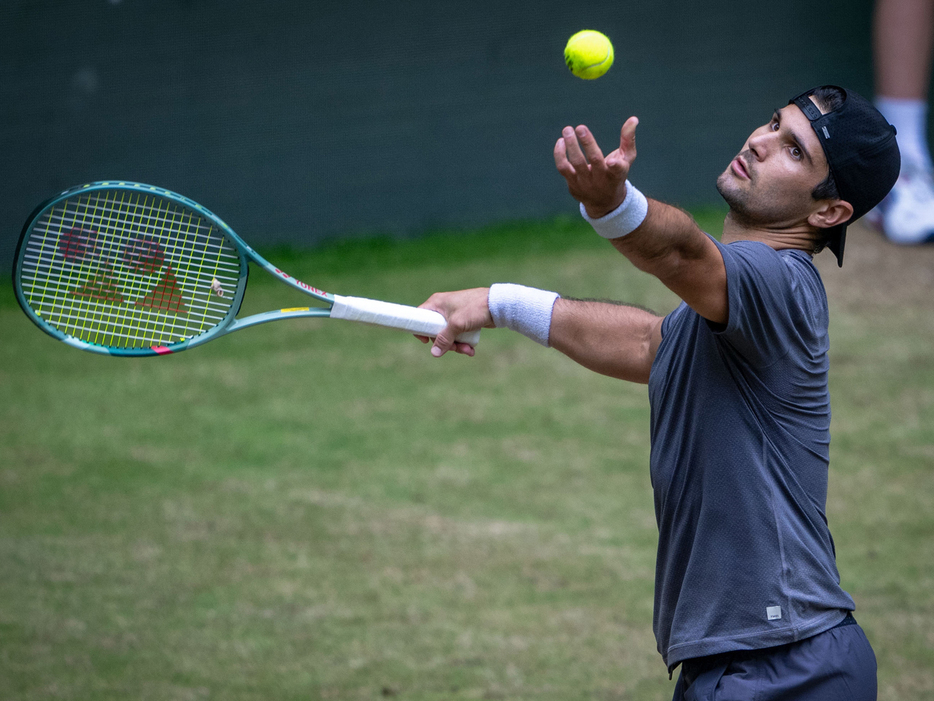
{"type": "Point", "coordinates": [598, 182]}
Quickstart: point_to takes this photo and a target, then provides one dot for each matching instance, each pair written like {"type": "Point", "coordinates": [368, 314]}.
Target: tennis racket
{"type": "Point", "coordinates": [127, 269]}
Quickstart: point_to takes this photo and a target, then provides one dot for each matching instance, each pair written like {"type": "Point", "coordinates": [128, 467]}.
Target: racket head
{"type": "Point", "coordinates": [128, 269]}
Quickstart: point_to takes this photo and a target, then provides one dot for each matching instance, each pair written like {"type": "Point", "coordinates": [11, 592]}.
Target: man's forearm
{"type": "Point", "coordinates": [671, 246]}
{"type": "Point", "coordinates": [606, 337]}
{"type": "Point", "coordinates": [661, 236]}
{"type": "Point", "coordinates": [611, 339]}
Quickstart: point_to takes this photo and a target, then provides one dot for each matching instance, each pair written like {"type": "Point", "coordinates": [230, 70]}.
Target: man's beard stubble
{"type": "Point", "coordinates": [751, 206]}
{"type": "Point", "coordinates": [738, 200]}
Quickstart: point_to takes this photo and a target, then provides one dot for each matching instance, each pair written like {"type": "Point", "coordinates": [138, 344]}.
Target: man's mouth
{"type": "Point", "coordinates": [739, 167]}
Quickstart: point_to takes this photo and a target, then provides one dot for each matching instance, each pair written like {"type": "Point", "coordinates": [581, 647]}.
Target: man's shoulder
{"type": "Point", "coordinates": [775, 296]}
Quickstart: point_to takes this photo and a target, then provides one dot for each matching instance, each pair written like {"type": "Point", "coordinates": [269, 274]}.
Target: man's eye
{"type": "Point", "coordinates": [796, 153]}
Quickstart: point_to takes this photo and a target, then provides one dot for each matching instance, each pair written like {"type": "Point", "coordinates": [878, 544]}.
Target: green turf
{"type": "Point", "coordinates": [319, 509]}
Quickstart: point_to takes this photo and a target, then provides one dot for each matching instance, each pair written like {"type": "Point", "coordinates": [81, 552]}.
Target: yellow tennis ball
{"type": "Point", "coordinates": [589, 54]}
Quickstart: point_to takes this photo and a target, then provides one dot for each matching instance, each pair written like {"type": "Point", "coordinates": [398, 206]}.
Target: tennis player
{"type": "Point", "coordinates": [747, 593]}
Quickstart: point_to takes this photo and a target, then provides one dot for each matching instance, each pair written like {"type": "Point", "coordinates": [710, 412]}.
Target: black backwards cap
{"type": "Point", "coordinates": [861, 151]}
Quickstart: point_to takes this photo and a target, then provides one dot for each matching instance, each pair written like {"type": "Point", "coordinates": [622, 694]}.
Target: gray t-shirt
{"type": "Point", "coordinates": [740, 449]}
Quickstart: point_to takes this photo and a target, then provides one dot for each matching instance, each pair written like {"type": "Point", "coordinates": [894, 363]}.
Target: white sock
{"type": "Point", "coordinates": [910, 118]}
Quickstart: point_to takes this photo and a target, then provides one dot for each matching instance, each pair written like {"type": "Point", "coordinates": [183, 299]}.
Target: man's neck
{"type": "Point", "coordinates": [799, 236]}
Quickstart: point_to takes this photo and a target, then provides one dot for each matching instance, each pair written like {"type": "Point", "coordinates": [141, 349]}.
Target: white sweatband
{"type": "Point", "coordinates": [523, 309]}
{"type": "Point", "coordinates": [624, 219]}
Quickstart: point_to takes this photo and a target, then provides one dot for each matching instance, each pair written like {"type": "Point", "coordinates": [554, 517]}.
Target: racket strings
{"type": "Point", "coordinates": [129, 270]}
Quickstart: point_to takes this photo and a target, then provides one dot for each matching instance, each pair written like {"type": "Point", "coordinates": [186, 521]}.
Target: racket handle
{"type": "Point", "coordinates": [424, 322]}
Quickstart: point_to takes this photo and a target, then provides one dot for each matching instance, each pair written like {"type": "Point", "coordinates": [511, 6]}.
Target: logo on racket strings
{"type": "Point", "coordinates": [134, 272]}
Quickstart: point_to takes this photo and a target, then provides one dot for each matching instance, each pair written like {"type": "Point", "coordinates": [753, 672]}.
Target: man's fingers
{"type": "Point", "coordinates": [561, 159]}
{"type": "Point", "coordinates": [457, 346]}
{"type": "Point", "coordinates": [573, 148]}
{"type": "Point", "coordinates": [464, 349]}
{"type": "Point", "coordinates": [627, 139]}
{"type": "Point", "coordinates": [590, 147]}
{"type": "Point", "coordinates": [444, 342]}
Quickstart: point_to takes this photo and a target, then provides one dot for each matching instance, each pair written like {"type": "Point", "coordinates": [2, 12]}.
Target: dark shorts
{"type": "Point", "coordinates": [836, 665]}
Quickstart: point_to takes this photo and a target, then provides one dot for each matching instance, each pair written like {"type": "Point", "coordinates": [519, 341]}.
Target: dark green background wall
{"type": "Point", "coordinates": [301, 121]}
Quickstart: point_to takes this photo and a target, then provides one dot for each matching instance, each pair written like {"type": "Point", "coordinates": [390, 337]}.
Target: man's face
{"type": "Point", "coordinates": [771, 180]}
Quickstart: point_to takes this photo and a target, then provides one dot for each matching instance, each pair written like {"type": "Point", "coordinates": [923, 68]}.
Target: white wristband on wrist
{"type": "Point", "coordinates": [624, 219]}
{"type": "Point", "coordinates": [523, 309]}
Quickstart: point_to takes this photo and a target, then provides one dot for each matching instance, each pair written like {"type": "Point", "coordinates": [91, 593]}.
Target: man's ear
{"type": "Point", "coordinates": [831, 213]}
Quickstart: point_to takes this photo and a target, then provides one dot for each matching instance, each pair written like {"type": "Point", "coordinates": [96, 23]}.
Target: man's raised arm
{"type": "Point", "coordinates": [657, 238]}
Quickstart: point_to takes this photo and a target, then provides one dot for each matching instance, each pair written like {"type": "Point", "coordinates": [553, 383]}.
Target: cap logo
{"type": "Point", "coordinates": [826, 133]}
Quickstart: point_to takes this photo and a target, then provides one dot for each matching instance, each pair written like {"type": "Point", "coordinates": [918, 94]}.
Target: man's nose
{"type": "Point", "coordinates": [759, 145]}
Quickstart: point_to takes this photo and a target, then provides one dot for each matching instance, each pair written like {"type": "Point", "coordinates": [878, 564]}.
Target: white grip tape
{"type": "Point", "coordinates": [397, 316]}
